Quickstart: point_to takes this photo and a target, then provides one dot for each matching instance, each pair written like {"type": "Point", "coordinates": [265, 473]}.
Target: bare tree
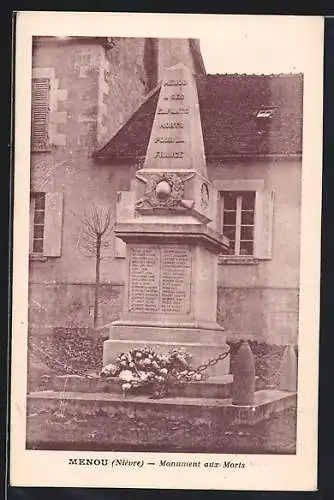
{"type": "Point", "coordinates": [96, 227]}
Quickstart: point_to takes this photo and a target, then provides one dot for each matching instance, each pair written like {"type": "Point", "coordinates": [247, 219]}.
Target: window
{"type": "Point", "coordinates": [46, 219]}
{"type": "Point", "coordinates": [38, 222]}
{"type": "Point", "coordinates": [40, 100]}
{"type": "Point", "coordinates": [244, 213]}
{"type": "Point", "coordinates": [238, 219]}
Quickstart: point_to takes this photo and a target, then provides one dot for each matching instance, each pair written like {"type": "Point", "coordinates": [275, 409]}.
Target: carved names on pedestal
{"type": "Point", "coordinates": [144, 279]}
{"type": "Point", "coordinates": [160, 279]}
{"type": "Point", "coordinates": [175, 279]}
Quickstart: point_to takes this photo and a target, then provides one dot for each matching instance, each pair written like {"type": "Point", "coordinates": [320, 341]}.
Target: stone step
{"type": "Point", "coordinates": [192, 410]}
{"type": "Point", "coordinates": [219, 388]}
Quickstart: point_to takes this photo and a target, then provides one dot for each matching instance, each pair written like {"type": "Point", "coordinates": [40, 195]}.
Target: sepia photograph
{"type": "Point", "coordinates": [165, 181]}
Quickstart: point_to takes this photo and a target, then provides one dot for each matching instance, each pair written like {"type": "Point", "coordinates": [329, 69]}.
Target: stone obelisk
{"type": "Point", "coordinates": [170, 297]}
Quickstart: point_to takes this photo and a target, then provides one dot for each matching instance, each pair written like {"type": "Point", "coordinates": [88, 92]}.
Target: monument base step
{"type": "Point", "coordinates": [219, 387]}
{"type": "Point", "coordinates": [192, 410]}
{"type": "Point", "coordinates": [203, 332]}
{"type": "Point", "coordinates": [200, 352]}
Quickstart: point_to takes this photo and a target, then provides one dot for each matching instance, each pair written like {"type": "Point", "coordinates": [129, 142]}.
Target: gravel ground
{"type": "Point", "coordinates": [276, 435]}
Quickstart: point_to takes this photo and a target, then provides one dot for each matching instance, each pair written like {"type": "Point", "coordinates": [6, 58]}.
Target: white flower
{"type": "Point", "coordinates": [126, 375]}
{"type": "Point", "coordinates": [147, 361]}
{"type": "Point", "coordinates": [131, 365]}
{"type": "Point", "coordinates": [164, 360]}
{"type": "Point", "coordinates": [138, 354]}
{"type": "Point", "coordinates": [143, 375]}
{"type": "Point", "coordinates": [164, 371]}
{"type": "Point", "coordinates": [197, 376]}
{"type": "Point", "coordinates": [126, 387]}
{"type": "Point", "coordinates": [109, 370]}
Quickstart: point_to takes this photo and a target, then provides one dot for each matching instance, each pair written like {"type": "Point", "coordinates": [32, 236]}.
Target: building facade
{"type": "Point", "coordinates": [93, 105]}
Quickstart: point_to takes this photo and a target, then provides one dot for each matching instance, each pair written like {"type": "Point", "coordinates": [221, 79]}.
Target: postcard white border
{"type": "Point", "coordinates": [262, 472]}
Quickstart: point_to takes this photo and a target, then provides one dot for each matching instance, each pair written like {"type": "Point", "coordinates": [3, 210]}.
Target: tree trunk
{"type": "Point", "coordinates": [97, 278]}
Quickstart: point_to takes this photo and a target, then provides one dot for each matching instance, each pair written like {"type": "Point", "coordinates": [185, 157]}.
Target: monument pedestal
{"type": "Point", "coordinates": [170, 296]}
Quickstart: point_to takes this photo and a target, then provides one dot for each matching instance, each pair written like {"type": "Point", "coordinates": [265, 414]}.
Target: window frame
{"type": "Point", "coordinates": [52, 225]}
{"type": "Point", "coordinates": [32, 252]}
{"type": "Point", "coordinates": [257, 186]}
{"type": "Point", "coordinates": [238, 222]}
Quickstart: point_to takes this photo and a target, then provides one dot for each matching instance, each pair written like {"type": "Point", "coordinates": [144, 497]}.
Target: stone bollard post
{"type": "Point", "coordinates": [243, 390]}
{"type": "Point", "coordinates": [288, 371]}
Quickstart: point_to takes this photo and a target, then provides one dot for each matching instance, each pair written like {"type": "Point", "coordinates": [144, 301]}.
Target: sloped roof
{"type": "Point", "coordinates": [228, 106]}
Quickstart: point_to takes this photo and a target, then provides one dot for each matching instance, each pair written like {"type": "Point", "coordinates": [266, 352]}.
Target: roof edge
{"type": "Point", "coordinates": [96, 153]}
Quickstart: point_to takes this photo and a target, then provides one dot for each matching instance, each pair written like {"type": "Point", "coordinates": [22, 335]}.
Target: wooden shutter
{"type": "Point", "coordinates": [31, 224]}
{"type": "Point", "coordinates": [120, 248]}
{"type": "Point", "coordinates": [40, 114]}
{"type": "Point", "coordinates": [264, 217]}
{"type": "Point", "coordinates": [215, 224]}
{"type": "Point", "coordinates": [125, 204]}
{"type": "Point", "coordinates": [53, 224]}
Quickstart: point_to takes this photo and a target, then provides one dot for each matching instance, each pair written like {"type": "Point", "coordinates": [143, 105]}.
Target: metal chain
{"type": "Point", "coordinates": [210, 363]}
{"type": "Point", "coordinates": [201, 368]}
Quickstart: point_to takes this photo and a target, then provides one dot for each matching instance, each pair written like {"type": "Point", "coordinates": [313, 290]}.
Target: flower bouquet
{"type": "Point", "coordinates": [144, 370]}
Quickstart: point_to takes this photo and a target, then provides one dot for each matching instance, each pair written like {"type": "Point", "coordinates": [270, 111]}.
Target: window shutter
{"type": "Point", "coordinates": [40, 114]}
{"type": "Point", "coordinates": [120, 248]}
{"type": "Point", "coordinates": [31, 224]}
{"type": "Point", "coordinates": [53, 224]}
{"type": "Point", "coordinates": [264, 224]}
{"type": "Point", "coordinates": [215, 224]}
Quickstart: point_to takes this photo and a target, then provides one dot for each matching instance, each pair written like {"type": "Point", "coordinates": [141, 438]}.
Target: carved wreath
{"type": "Point", "coordinates": [175, 196]}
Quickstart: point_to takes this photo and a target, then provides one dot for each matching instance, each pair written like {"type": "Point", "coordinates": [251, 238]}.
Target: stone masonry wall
{"type": "Point", "coordinates": [70, 305]}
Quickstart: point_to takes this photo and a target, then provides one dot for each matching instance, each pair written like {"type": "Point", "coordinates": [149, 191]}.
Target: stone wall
{"type": "Point", "coordinates": [70, 305]}
{"type": "Point", "coordinates": [263, 314]}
